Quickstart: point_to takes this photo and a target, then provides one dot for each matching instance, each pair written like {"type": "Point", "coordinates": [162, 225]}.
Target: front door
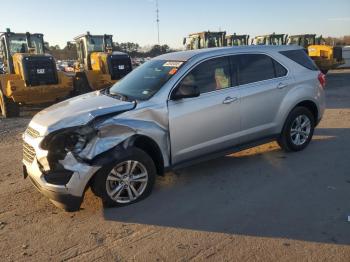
{"type": "Point", "coordinates": [210, 122]}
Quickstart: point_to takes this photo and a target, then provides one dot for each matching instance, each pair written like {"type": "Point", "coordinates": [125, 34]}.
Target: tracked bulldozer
{"type": "Point", "coordinates": [325, 56]}
{"type": "Point", "coordinates": [29, 76]}
{"type": "Point", "coordinates": [98, 66]}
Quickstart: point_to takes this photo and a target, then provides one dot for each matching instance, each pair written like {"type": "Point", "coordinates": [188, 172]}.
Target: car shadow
{"type": "Point", "coordinates": [258, 192]}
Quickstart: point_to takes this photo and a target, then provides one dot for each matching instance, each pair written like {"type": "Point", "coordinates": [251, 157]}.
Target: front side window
{"type": "Point", "coordinates": [146, 80]}
{"type": "Point", "coordinates": [210, 75]}
{"type": "Point", "coordinates": [254, 68]}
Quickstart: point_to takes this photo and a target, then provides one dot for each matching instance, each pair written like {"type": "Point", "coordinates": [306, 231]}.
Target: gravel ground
{"type": "Point", "coordinates": [257, 205]}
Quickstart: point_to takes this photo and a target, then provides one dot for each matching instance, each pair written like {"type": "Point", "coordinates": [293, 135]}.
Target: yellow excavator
{"type": "Point", "coordinates": [326, 57]}
{"type": "Point", "coordinates": [98, 66]}
{"type": "Point", "coordinates": [29, 75]}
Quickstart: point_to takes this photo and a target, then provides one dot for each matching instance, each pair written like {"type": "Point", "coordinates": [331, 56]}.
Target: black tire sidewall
{"type": "Point", "coordinates": [9, 107]}
{"type": "Point", "coordinates": [132, 153]}
{"type": "Point", "coordinates": [286, 138]}
{"type": "Point", "coordinates": [81, 85]}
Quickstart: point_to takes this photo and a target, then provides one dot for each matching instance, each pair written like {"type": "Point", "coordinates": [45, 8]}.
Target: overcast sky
{"type": "Point", "coordinates": [135, 20]}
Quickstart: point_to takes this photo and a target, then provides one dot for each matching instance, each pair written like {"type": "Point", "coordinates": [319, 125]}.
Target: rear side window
{"type": "Point", "coordinates": [254, 68]}
{"type": "Point", "coordinates": [301, 57]}
{"type": "Point", "coordinates": [280, 70]}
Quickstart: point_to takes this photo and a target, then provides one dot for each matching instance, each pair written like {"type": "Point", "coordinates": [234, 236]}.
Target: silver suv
{"type": "Point", "coordinates": [175, 109]}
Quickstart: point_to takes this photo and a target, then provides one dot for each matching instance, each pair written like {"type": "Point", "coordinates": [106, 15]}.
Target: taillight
{"type": "Point", "coordinates": [322, 79]}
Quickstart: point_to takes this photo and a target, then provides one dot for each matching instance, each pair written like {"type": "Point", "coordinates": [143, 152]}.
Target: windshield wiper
{"type": "Point", "coordinates": [117, 95]}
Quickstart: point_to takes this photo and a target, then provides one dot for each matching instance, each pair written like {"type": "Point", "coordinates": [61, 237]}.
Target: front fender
{"type": "Point", "coordinates": [116, 132]}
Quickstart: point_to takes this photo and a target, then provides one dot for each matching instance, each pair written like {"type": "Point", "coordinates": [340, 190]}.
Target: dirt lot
{"type": "Point", "coordinates": [258, 205]}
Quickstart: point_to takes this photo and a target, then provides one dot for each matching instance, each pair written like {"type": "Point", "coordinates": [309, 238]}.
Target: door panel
{"type": "Point", "coordinates": [260, 103]}
{"type": "Point", "coordinates": [210, 122]}
{"type": "Point", "coordinates": [261, 99]}
{"type": "Point", "coordinates": [203, 125]}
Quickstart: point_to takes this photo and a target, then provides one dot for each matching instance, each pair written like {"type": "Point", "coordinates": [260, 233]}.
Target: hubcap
{"type": "Point", "coordinates": [300, 130]}
{"type": "Point", "coordinates": [127, 181]}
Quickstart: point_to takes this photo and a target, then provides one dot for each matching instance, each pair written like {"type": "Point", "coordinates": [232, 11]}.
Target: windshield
{"type": "Point", "coordinates": [294, 41]}
{"type": "Point", "coordinates": [95, 43]}
{"type": "Point", "coordinates": [146, 80]}
{"type": "Point", "coordinates": [18, 44]}
{"type": "Point", "coordinates": [276, 41]}
{"type": "Point", "coordinates": [260, 41]}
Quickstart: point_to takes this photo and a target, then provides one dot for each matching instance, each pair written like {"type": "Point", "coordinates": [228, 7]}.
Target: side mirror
{"type": "Point", "coordinates": [185, 91]}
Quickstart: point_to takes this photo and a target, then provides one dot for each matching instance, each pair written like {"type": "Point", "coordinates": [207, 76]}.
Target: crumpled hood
{"type": "Point", "coordinates": [77, 111]}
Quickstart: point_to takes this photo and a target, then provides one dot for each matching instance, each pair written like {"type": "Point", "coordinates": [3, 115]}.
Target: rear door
{"type": "Point", "coordinates": [210, 122]}
{"type": "Point", "coordinates": [263, 83]}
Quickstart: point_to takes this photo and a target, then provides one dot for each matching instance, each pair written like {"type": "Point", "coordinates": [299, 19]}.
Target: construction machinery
{"type": "Point", "coordinates": [305, 40]}
{"type": "Point", "coordinates": [29, 76]}
{"type": "Point", "coordinates": [98, 66]}
{"type": "Point", "coordinates": [325, 56]}
{"type": "Point", "coordinates": [236, 40]}
{"type": "Point", "coordinates": [270, 39]}
{"type": "Point", "coordinates": [204, 39]}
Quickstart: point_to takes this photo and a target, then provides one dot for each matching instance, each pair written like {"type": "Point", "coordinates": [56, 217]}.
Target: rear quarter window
{"type": "Point", "coordinates": [301, 57]}
{"type": "Point", "coordinates": [279, 69]}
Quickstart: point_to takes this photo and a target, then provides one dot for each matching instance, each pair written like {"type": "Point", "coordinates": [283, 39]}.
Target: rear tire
{"type": "Point", "coordinates": [8, 107]}
{"type": "Point", "coordinates": [81, 85]}
{"type": "Point", "coordinates": [134, 173]}
{"type": "Point", "coordinates": [298, 130]}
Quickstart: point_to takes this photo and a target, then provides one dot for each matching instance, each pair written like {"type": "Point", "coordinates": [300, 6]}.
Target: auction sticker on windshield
{"type": "Point", "coordinates": [173, 64]}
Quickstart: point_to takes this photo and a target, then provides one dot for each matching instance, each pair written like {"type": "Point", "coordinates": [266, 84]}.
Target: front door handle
{"type": "Point", "coordinates": [229, 100]}
{"type": "Point", "coordinates": [281, 85]}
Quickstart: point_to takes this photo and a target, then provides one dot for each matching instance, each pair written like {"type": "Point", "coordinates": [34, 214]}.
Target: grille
{"type": "Point", "coordinates": [119, 66]}
{"type": "Point", "coordinates": [32, 132]}
{"type": "Point", "coordinates": [28, 152]}
{"type": "Point", "coordinates": [40, 70]}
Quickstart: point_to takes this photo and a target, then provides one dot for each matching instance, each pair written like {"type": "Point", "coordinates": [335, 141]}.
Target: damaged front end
{"type": "Point", "coordinates": [54, 166]}
{"type": "Point", "coordinates": [66, 159]}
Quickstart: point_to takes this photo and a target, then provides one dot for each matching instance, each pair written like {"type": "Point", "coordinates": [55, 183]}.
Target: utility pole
{"type": "Point", "coordinates": [157, 12]}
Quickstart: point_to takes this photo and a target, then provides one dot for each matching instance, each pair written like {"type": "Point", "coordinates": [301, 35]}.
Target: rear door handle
{"type": "Point", "coordinates": [229, 100]}
{"type": "Point", "coordinates": [281, 85]}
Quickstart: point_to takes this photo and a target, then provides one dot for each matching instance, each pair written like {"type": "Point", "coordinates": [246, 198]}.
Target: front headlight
{"type": "Point", "coordinates": [69, 140]}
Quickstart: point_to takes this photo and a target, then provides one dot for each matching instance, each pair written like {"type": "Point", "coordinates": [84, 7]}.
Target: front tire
{"type": "Point", "coordinates": [8, 107]}
{"type": "Point", "coordinates": [298, 130]}
{"type": "Point", "coordinates": [81, 85]}
{"type": "Point", "coordinates": [127, 180]}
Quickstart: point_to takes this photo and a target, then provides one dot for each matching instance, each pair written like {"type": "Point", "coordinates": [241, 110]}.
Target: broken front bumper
{"type": "Point", "coordinates": [62, 200]}
{"type": "Point", "coordinates": [65, 187]}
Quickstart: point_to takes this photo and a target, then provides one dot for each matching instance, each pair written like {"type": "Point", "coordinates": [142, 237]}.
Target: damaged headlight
{"type": "Point", "coordinates": [69, 140]}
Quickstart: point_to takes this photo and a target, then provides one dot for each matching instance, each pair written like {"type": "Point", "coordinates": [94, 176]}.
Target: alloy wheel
{"type": "Point", "coordinates": [127, 181]}
{"type": "Point", "coordinates": [300, 130]}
